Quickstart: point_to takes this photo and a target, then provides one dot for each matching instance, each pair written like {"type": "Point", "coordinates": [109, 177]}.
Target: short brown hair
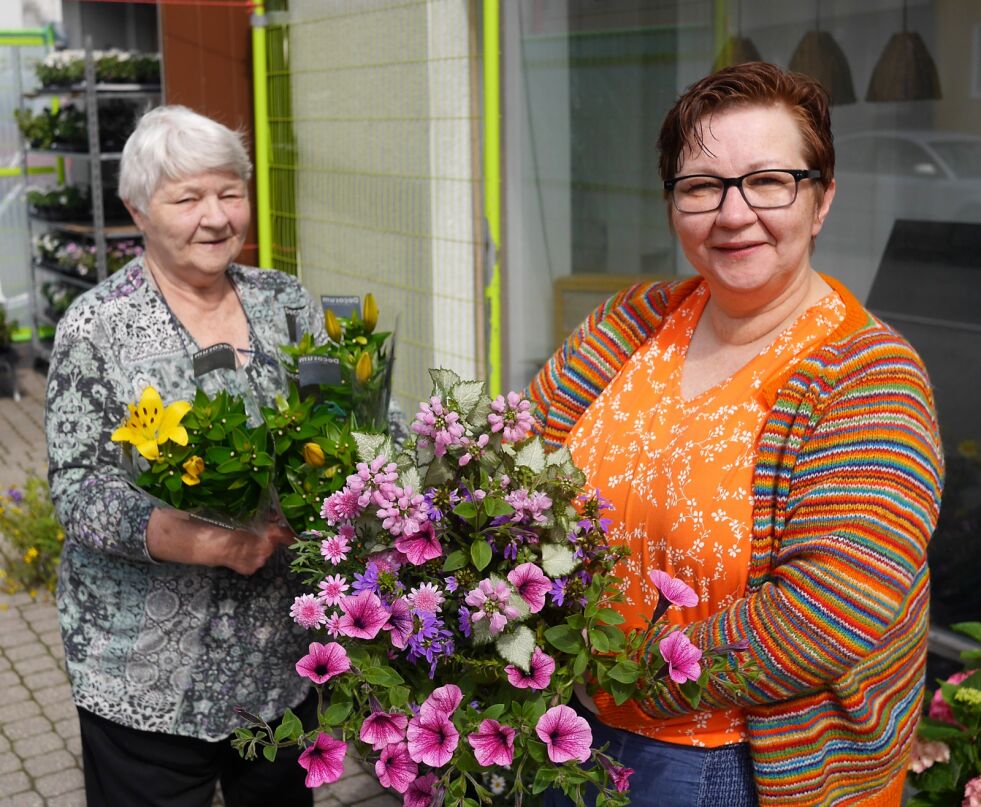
{"type": "Point", "coordinates": [752, 84]}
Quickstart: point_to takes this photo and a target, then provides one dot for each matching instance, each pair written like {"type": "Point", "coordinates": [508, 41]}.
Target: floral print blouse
{"type": "Point", "coordinates": [162, 646]}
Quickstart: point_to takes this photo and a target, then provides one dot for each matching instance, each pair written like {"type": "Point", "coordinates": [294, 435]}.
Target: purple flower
{"type": "Point", "coordinates": [438, 426]}
{"type": "Point", "coordinates": [529, 508]}
{"type": "Point", "coordinates": [512, 415]}
{"type": "Point", "coordinates": [531, 584]}
{"type": "Point", "coordinates": [308, 612]}
{"type": "Point", "coordinates": [493, 601]}
{"type": "Point", "coordinates": [15, 495]}
{"type": "Point", "coordinates": [363, 616]}
{"type": "Point", "coordinates": [399, 622]}
{"type": "Point", "coordinates": [539, 674]}
{"type": "Point", "coordinates": [451, 584]}
{"type": "Point", "coordinates": [431, 641]}
{"type": "Point", "coordinates": [323, 761]}
{"type": "Point", "coordinates": [323, 662]}
{"type": "Point", "coordinates": [682, 657]}
{"type": "Point", "coordinates": [369, 580]}
{"type": "Point", "coordinates": [566, 735]}
{"type": "Point", "coordinates": [558, 590]}
{"type": "Point", "coordinates": [432, 738]}
{"type": "Point", "coordinates": [492, 743]}
{"type": "Point", "coordinates": [395, 768]}
{"type": "Point", "coordinates": [619, 775]}
{"type": "Point", "coordinates": [420, 546]}
{"type": "Point", "coordinates": [464, 620]}
{"type": "Point", "coordinates": [383, 728]}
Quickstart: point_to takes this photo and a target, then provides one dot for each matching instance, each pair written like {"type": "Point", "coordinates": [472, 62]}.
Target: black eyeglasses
{"type": "Point", "coordinates": [766, 189]}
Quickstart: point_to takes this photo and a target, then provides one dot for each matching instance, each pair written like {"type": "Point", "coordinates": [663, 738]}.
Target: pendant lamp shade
{"type": "Point", "coordinates": [736, 50]}
{"type": "Point", "coordinates": [905, 71]}
{"type": "Point", "coordinates": [818, 55]}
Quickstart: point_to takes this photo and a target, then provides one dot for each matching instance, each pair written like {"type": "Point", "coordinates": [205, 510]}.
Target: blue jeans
{"type": "Point", "coordinates": [671, 775]}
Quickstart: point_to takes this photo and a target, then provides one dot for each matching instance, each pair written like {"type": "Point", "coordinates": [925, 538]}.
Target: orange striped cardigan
{"type": "Point", "coordinates": [846, 495]}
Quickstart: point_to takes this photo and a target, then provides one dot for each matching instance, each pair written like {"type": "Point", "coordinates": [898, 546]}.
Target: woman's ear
{"type": "Point", "coordinates": [823, 206]}
{"type": "Point", "coordinates": [138, 218]}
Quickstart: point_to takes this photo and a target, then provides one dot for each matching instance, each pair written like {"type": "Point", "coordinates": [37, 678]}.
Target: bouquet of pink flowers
{"type": "Point", "coordinates": [465, 585]}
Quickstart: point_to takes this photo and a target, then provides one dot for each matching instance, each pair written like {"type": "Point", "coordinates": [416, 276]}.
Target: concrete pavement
{"type": "Point", "coordinates": [40, 750]}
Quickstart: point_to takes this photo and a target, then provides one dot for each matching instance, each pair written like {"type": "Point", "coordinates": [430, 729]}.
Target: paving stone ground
{"type": "Point", "coordinates": [40, 750]}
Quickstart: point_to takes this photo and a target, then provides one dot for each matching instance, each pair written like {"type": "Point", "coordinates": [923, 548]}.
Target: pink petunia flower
{"type": "Point", "coordinates": [399, 623]}
{"type": "Point", "coordinates": [387, 560]}
{"type": "Point", "coordinates": [939, 708]}
{"type": "Point", "coordinates": [619, 774]}
{"type": "Point", "coordinates": [673, 589]}
{"type": "Point", "coordinates": [362, 616]}
{"type": "Point", "coordinates": [492, 743]}
{"type": "Point", "coordinates": [323, 761]}
{"type": "Point", "coordinates": [539, 675]}
{"type": "Point", "coordinates": [972, 793]}
{"type": "Point", "coordinates": [420, 792]}
{"type": "Point", "coordinates": [493, 602]}
{"type": "Point", "coordinates": [512, 415]}
{"type": "Point", "coordinates": [323, 662]}
{"type": "Point", "coordinates": [335, 549]}
{"type": "Point", "coordinates": [566, 735]}
{"type": "Point", "coordinates": [432, 738]}
{"type": "Point", "coordinates": [332, 589]}
{"type": "Point", "coordinates": [531, 584]}
{"type": "Point", "coordinates": [443, 700]}
{"type": "Point", "coordinates": [420, 546]}
{"type": "Point", "coordinates": [395, 768]}
{"type": "Point", "coordinates": [308, 612]}
{"type": "Point", "coordinates": [383, 728]}
{"type": "Point", "coordinates": [682, 657]}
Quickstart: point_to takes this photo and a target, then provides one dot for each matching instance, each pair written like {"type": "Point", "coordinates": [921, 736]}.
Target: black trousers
{"type": "Point", "coordinates": [127, 767]}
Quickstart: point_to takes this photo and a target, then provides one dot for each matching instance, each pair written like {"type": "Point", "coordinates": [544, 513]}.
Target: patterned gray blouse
{"type": "Point", "coordinates": [162, 646]}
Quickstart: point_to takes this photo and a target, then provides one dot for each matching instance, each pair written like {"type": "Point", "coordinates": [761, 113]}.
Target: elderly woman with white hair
{"type": "Point", "coordinates": [169, 623]}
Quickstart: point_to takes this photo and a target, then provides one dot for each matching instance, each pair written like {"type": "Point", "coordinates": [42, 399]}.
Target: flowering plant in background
{"type": "Point", "coordinates": [945, 763]}
{"type": "Point", "coordinates": [463, 586]}
{"type": "Point", "coordinates": [365, 358]}
{"type": "Point", "coordinates": [30, 538]}
{"type": "Point", "coordinates": [65, 68]}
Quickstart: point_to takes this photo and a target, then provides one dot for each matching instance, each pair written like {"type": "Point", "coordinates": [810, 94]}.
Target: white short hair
{"type": "Point", "coordinates": [174, 142]}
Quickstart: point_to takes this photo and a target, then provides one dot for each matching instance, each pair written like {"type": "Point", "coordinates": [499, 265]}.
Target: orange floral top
{"type": "Point", "coordinates": [679, 475]}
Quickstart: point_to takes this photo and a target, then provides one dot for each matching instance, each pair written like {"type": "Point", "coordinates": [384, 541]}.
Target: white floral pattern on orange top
{"type": "Point", "coordinates": [679, 474]}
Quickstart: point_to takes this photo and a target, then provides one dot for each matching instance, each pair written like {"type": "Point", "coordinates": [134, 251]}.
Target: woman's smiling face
{"type": "Point", "coordinates": [196, 226]}
{"type": "Point", "coordinates": [746, 255]}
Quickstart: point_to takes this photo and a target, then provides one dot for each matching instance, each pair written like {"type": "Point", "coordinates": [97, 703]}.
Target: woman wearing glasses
{"type": "Point", "coordinates": [767, 440]}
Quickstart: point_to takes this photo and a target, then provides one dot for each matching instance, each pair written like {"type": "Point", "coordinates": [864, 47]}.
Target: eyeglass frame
{"type": "Point", "coordinates": [799, 175]}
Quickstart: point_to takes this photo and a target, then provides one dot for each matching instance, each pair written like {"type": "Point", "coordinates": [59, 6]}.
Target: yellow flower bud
{"type": "Point", "coordinates": [333, 326]}
{"type": "Point", "coordinates": [363, 369]}
{"type": "Point", "coordinates": [370, 317]}
{"type": "Point", "coordinates": [313, 455]}
{"type": "Point", "coordinates": [193, 467]}
{"type": "Point", "coordinates": [31, 555]}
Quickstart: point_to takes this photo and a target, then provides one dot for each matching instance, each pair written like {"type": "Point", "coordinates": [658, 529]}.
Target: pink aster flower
{"type": "Point", "coordinates": [682, 657]}
{"type": "Point", "coordinates": [362, 616]}
{"type": "Point", "coordinates": [566, 735]}
{"type": "Point", "coordinates": [493, 602]}
{"type": "Point", "coordinates": [432, 738]}
{"type": "Point", "coordinates": [426, 597]}
{"type": "Point", "coordinates": [395, 768]}
{"type": "Point", "coordinates": [383, 728]}
{"type": "Point", "coordinates": [399, 623]}
{"type": "Point", "coordinates": [323, 761]}
{"type": "Point", "coordinates": [925, 753]}
{"type": "Point", "coordinates": [333, 625]}
{"type": "Point", "coordinates": [939, 708]}
{"type": "Point", "coordinates": [531, 584]}
{"type": "Point", "coordinates": [420, 546]}
{"type": "Point", "coordinates": [335, 549]}
{"type": "Point", "coordinates": [512, 415]}
{"type": "Point", "coordinates": [492, 743]}
{"type": "Point", "coordinates": [438, 426]}
{"type": "Point", "coordinates": [420, 792]}
{"type": "Point", "coordinates": [443, 700]}
{"type": "Point", "coordinates": [323, 662]}
{"type": "Point", "coordinates": [308, 612]}
{"type": "Point", "coordinates": [539, 674]}
{"type": "Point", "coordinates": [972, 793]}
{"type": "Point", "coordinates": [405, 513]}
{"type": "Point", "coordinates": [332, 589]}
{"type": "Point", "coordinates": [341, 506]}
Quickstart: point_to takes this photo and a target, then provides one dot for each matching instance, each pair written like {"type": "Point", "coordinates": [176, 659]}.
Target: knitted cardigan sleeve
{"type": "Point", "coordinates": [847, 493]}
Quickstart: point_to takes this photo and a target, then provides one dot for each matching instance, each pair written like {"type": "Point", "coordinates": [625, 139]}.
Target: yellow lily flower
{"type": "Point", "coordinates": [194, 467]}
{"type": "Point", "coordinates": [333, 326]}
{"type": "Point", "coordinates": [313, 455]}
{"type": "Point", "coordinates": [363, 369]}
{"type": "Point", "coordinates": [370, 317]}
{"type": "Point", "coordinates": [150, 424]}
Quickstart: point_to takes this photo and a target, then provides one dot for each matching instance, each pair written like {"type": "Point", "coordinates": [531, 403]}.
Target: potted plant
{"type": "Point", "coordinates": [8, 358]}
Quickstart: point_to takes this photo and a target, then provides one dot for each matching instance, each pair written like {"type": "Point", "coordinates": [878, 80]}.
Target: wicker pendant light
{"type": "Point", "coordinates": [818, 55]}
{"type": "Point", "coordinates": [905, 71]}
{"type": "Point", "coordinates": [737, 48]}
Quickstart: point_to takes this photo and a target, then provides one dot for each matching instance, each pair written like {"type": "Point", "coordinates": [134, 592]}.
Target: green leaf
{"type": "Point", "coordinates": [614, 636]}
{"type": "Point", "coordinates": [580, 664]}
{"type": "Point", "coordinates": [972, 629]}
{"type": "Point", "coordinates": [481, 554]}
{"type": "Point", "coordinates": [692, 691]}
{"type": "Point", "coordinates": [289, 727]}
{"type": "Point", "coordinates": [626, 672]}
{"type": "Point", "coordinates": [269, 752]}
{"type": "Point", "coordinates": [383, 676]}
{"type": "Point", "coordinates": [492, 712]}
{"type": "Point", "coordinates": [517, 647]}
{"type": "Point", "coordinates": [565, 638]}
{"type": "Point", "coordinates": [610, 616]}
{"type": "Point", "coordinates": [466, 395]}
{"type": "Point", "coordinates": [409, 478]}
{"type": "Point", "coordinates": [599, 641]}
{"type": "Point", "coordinates": [370, 445]}
{"type": "Point", "coordinates": [335, 714]}
{"type": "Point", "coordinates": [558, 560]}
{"type": "Point", "coordinates": [932, 729]}
{"type": "Point", "coordinates": [621, 692]}
{"type": "Point", "coordinates": [457, 559]}
{"type": "Point", "coordinates": [465, 510]}
{"type": "Point", "coordinates": [543, 779]}
{"type": "Point", "coordinates": [443, 381]}
{"type": "Point", "coordinates": [531, 456]}
{"type": "Point", "coordinates": [495, 506]}
{"type": "Point", "coordinates": [398, 696]}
